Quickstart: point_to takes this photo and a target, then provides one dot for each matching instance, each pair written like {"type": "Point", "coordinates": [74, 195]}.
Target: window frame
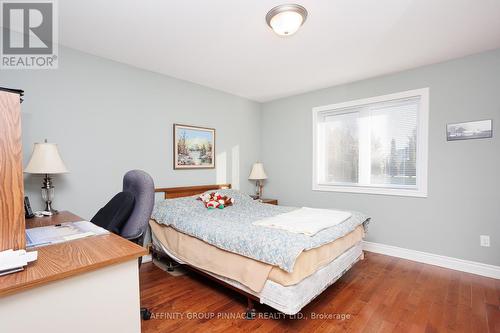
{"type": "Point", "coordinates": [422, 145]}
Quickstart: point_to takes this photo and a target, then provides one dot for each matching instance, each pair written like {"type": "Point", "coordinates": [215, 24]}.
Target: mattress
{"type": "Point", "coordinates": [249, 272]}
{"type": "Point", "coordinates": [233, 228]}
{"type": "Point", "coordinates": [291, 299]}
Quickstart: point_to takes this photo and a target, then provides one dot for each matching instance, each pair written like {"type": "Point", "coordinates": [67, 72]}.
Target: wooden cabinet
{"type": "Point", "coordinates": [12, 228]}
{"type": "Point", "coordinates": [270, 201]}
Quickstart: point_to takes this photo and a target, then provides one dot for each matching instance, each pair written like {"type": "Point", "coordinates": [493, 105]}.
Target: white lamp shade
{"type": "Point", "coordinates": [45, 159]}
{"type": "Point", "coordinates": [258, 172]}
{"type": "Point", "coordinates": [286, 19]}
{"type": "Point", "coordinates": [286, 23]}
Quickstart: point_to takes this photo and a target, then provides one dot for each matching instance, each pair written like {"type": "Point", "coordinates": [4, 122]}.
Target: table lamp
{"type": "Point", "coordinates": [258, 174]}
{"type": "Point", "coordinates": [46, 160]}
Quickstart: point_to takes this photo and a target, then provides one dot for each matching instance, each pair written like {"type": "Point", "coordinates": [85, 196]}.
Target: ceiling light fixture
{"type": "Point", "coordinates": [285, 20]}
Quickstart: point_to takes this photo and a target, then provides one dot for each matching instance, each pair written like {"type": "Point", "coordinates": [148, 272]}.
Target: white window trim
{"type": "Point", "coordinates": [422, 144]}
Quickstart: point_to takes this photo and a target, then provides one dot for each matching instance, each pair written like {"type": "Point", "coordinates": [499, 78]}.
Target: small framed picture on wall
{"type": "Point", "coordinates": [479, 129]}
{"type": "Point", "coordinates": [194, 147]}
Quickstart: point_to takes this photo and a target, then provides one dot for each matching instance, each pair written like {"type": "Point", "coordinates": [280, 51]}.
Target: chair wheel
{"type": "Point", "coordinates": [172, 266]}
{"type": "Point", "coordinates": [250, 314]}
{"type": "Point", "coordinates": [145, 314]}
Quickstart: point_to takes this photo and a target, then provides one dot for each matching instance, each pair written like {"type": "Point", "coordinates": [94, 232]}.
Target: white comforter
{"type": "Point", "coordinates": [307, 221]}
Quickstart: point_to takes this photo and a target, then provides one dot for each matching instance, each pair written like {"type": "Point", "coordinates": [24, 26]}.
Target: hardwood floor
{"type": "Point", "coordinates": [379, 294]}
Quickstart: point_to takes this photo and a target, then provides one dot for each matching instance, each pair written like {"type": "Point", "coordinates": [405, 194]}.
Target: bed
{"type": "Point", "coordinates": [274, 267]}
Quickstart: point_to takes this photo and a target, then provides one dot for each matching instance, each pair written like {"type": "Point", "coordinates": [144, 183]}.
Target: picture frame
{"type": "Point", "coordinates": [478, 129]}
{"type": "Point", "coordinates": [194, 147]}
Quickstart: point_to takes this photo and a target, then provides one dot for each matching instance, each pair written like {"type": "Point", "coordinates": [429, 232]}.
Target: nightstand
{"type": "Point", "coordinates": [269, 201]}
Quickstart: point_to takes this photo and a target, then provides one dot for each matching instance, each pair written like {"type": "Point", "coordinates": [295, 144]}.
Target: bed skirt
{"type": "Point", "coordinates": [291, 299]}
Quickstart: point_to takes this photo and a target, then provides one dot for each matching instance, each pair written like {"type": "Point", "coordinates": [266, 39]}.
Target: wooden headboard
{"type": "Point", "coordinates": [186, 191]}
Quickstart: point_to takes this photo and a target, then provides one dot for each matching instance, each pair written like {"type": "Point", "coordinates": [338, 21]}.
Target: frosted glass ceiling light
{"type": "Point", "coordinates": [285, 20]}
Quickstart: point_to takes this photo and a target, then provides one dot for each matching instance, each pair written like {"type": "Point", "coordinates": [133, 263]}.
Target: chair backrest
{"type": "Point", "coordinates": [141, 185]}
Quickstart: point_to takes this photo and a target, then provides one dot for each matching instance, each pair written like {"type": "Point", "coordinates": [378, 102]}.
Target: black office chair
{"type": "Point", "coordinates": [128, 213]}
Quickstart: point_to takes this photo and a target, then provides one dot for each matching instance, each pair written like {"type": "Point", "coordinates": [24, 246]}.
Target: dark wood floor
{"type": "Point", "coordinates": [379, 294]}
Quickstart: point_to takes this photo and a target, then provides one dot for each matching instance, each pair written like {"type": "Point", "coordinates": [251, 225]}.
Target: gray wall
{"type": "Point", "coordinates": [464, 185]}
{"type": "Point", "coordinates": [108, 118]}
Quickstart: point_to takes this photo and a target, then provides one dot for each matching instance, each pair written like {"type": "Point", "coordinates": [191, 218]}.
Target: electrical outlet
{"type": "Point", "coordinates": [484, 240]}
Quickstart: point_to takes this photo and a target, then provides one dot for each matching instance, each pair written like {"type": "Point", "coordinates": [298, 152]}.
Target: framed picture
{"type": "Point", "coordinates": [479, 129]}
{"type": "Point", "coordinates": [194, 147]}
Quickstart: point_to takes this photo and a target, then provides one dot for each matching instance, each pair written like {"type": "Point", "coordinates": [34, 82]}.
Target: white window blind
{"type": "Point", "coordinates": [377, 145]}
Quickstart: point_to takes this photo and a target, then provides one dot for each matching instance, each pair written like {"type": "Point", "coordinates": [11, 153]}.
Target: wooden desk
{"type": "Point", "coordinates": [88, 279]}
{"type": "Point", "coordinates": [67, 259]}
{"type": "Point", "coordinates": [63, 216]}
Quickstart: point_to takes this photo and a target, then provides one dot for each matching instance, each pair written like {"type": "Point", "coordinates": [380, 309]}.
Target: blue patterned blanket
{"type": "Point", "coordinates": [231, 228]}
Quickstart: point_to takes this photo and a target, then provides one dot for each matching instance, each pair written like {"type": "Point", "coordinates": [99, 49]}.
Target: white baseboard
{"type": "Point", "coordinates": [147, 258]}
{"type": "Point", "coordinates": [434, 259]}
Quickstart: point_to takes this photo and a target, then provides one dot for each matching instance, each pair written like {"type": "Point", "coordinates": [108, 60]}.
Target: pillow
{"type": "Point", "coordinates": [115, 214]}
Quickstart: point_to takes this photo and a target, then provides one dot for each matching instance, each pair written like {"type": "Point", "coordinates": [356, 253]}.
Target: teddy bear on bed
{"type": "Point", "coordinates": [215, 200]}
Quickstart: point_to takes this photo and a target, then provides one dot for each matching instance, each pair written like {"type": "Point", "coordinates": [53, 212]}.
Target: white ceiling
{"type": "Point", "coordinates": [226, 44]}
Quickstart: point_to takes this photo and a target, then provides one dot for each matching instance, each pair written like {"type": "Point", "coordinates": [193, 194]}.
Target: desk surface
{"type": "Point", "coordinates": [63, 260]}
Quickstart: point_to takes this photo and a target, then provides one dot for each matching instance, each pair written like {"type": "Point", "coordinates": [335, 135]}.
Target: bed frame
{"type": "Point", "coordinates": [178, 192]}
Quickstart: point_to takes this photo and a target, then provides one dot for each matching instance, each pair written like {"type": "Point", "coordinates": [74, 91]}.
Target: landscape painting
{"type": "Point", "coordinates": [470, 130]}
{"type": "Point", "coordinates": [194, 147]}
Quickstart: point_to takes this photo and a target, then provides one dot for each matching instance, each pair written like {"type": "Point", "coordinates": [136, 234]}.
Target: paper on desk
{"type": "Point", "coordinates": [77, 236]}
{"type": "Point", "coordinates": [15, 260]}
{"type": "Point", "coordinates": [60, 233]}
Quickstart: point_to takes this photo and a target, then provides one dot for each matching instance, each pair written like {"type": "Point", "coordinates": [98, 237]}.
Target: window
{"type": "Point", "coordinates": [376, 145]}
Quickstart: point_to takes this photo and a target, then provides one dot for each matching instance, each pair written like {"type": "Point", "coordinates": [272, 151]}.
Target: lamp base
{"type": "Point", "coordinates": [258, 189]}
{"type": "Point", "coordinates": [48, 195]}
{"type": "Point", "coordinates": [48, 208]}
